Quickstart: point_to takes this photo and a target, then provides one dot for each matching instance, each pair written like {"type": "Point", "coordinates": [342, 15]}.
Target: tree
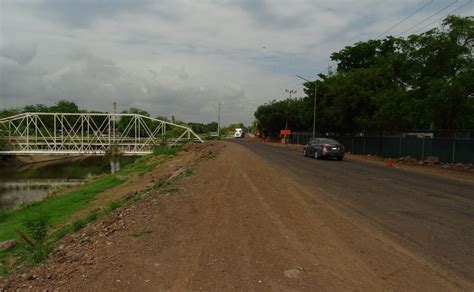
{"type": "Point", "coordinates": [389, 85]}
{"type": "Point", "coordinates": [64, 106]}
{"type": "Point", "coordinates": [124, 121]}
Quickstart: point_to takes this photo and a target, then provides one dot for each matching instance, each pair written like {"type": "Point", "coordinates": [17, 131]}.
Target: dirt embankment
{"type": "Point", "coordinates": [228, 220]}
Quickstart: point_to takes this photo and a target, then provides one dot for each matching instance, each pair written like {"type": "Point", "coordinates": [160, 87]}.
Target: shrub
{"type": "Point", "coordinates": [78, 225]}
{"type": "Point", "coordinates": [36, 225]}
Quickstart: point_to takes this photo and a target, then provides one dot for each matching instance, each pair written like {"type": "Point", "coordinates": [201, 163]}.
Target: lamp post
{"type": "Point", "coordinates": [287, 111]}
{"type": "Point", "coordinates": [290, 92]}
{"type": "Point", "coordinates": [315, 99]}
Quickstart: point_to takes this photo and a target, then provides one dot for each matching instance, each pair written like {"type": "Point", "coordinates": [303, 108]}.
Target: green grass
{"type": "Point", "coordinates": [61, 207]}
{"type": "Point", "coordinates": [113, 205]}
{"type": "Point", "coordinates": [58, 208]}
{"type": "Point", "coordinates": [163, 150]}
{"type": "Point", "coordinates": [142, 166]}
{"type": "Point", "coordinates": [139, 166]}
{"type": "Point", "coordinates": [79, 224]}
{"type": "Point", "coordinates": [3, 215]}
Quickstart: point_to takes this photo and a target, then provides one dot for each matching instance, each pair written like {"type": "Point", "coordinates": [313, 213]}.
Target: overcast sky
{"type": "Point", "coordinates": [173, 57]}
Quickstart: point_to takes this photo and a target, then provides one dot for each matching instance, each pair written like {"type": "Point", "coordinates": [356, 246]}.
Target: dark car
{"type": "Point", "coordinates": [324, 148]}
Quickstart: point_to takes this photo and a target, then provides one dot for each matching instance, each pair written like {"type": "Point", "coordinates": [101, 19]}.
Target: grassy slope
{"type": "Point", "coordinates": [58, 208]}
{"type": "Point", "coordinates": [61, 208]}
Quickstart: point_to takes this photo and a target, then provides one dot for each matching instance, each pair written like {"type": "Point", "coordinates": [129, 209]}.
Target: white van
{"type": "Point", "coordinates": [239, 133]}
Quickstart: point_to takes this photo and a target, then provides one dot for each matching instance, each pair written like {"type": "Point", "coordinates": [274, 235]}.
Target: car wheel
{"type": "Point", "coordinates": [316, 154]}
{"type": "Point", "coordinates": [304, 153]}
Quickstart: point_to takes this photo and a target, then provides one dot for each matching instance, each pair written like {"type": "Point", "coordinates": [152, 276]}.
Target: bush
{"type": "Point", "coordinates": [36, 225]}
{"type": "Point", "coordinates": [78, 225]}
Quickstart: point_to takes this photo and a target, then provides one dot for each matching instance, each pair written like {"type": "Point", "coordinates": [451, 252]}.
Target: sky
{"type": "Point", "coordinates": [182, 58]}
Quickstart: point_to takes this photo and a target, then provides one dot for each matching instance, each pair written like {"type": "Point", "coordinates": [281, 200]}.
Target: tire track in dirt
{"type": "Point", "coordinates": [214, 218]}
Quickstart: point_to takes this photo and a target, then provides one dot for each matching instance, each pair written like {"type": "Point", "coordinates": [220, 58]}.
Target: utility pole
{"type": "Point", "coordinates": [290, 92]}
{"type": "Point", "coordinates": [315, 100]}
{"type": "Point", "coordinates": [114, 163]}
{"type": "Point", "coordinates": [113, 121]}
{"type": "Point", "coordinates": [314, 108]}
{"type": "Point", "coordinates": [287, 113]}
{"type": "Point", "coordinates": [219, 122]}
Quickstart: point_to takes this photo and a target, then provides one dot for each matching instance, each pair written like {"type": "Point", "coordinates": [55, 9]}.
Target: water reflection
{"type": "Point", "coordinates": [14, 193]}
{"type": "Point", "coordinates": [34, 182]}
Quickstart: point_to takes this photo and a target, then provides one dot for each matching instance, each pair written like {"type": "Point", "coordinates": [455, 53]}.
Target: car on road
{"type": "Point", "coordinates": [324, 148]}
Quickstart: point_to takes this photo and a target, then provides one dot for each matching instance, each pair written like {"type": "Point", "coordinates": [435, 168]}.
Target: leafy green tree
{"type": "Point", "coordinates": [37, 108]}
{"type": "Point", "coordinates": [4, 113]}
{"type": "Point", "coordinates": [389, 85]}
{"type": "Point", "coordinates": [64, 106]}
{"type": "Point", "coordinates": [125, 120]}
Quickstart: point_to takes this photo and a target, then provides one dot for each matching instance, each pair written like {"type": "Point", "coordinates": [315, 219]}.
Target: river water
{"type": "Point", "coordinates": [34, 182]}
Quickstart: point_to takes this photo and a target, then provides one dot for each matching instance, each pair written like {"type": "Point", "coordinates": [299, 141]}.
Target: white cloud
{"type": "Point", "coordinates": [177, 57]}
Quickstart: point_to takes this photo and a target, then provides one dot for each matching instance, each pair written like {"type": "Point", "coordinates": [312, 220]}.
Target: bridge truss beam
{"type": "Point", "coordinates": [89, 133]}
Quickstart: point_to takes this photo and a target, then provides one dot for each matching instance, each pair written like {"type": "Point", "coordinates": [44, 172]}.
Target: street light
{"type": "Point", "coordinates": [287, 109]}
{"type": "Point", "coordinates": [315, 99]}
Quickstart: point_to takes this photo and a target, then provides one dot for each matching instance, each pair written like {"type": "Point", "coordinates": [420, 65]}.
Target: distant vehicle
{"type": "Point", "coordinates": [324, 148]}
{"type": "Point", "coordinates": [239, 133]}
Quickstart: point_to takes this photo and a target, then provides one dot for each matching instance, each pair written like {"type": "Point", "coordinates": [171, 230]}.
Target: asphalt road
{"type": "Point", "coordinates": [430, 215]}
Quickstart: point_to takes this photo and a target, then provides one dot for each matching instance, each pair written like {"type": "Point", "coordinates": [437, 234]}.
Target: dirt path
{"type": "Point", "coordinates": [239, 223]}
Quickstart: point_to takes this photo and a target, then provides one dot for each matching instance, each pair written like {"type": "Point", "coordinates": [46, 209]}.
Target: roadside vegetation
{"type": "Point", "coordinates": [420, 82]}
{"type": "Point", "coordinates": [38, 226]}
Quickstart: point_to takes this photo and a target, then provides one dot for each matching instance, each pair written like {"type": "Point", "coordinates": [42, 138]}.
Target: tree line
{"type": "Point", "coordinates": [65, 106]}
{"type": "Point", "coordinates": [424, 81]}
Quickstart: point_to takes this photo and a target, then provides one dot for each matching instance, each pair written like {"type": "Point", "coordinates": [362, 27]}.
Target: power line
{"type": "Point", "coordinates": [451, 12]}
{"type": "Point", "coordinates": [401, 21]}
{"type": "Point", "coordinates": [429, 17]}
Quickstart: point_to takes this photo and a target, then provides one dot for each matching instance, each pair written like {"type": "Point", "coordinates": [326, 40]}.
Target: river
{"type": "Point", "coordinates": [33, 182]}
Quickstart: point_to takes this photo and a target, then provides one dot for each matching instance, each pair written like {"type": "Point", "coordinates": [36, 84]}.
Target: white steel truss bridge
{"type": "Point", "coordinates": [88, 134]}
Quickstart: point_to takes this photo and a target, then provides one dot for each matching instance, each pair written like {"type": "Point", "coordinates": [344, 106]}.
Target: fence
{"type": "Point", "coordinates": [446, 149]}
